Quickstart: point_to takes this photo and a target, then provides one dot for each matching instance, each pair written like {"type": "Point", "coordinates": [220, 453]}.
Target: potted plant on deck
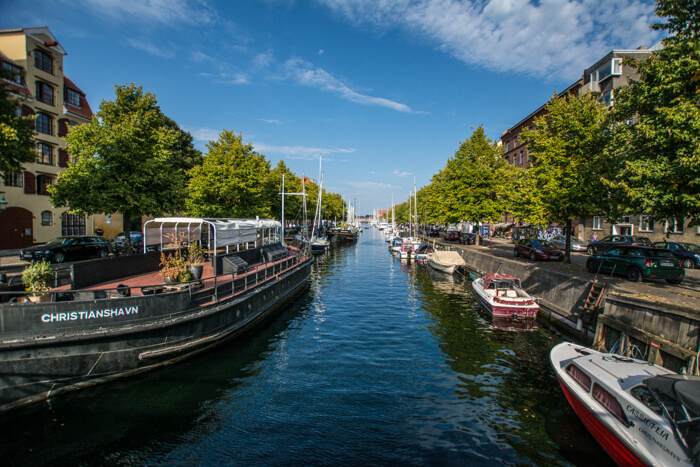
{"type": "Point", "coordinates": [195, 257]}
{"type": "Point", "coordinates": [174, 266]}
{"type": "Point", "coordinates": [37, 278]}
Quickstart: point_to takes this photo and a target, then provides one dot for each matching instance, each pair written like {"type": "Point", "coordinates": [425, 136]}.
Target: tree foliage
{"type": "Point", "coordinates": [16, 133]}
{"type": "Point", "coordinates": [657, 137]}
{"type": "Point", "coordinates": [130, 159]}
{"type": "Point", "coordinates": [233, 181]}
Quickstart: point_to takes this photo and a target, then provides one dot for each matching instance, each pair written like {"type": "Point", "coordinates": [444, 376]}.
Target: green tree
{"type": "Point", "coordinates": [657, 138]}
{"type": "Point", "coordinates": [569, 162]}
{"type": "Point", "coordinates": [471, 186]}
{"type": "Point", "coordinates": [129, 159]}
{"type": "Point", "coordinates": [16, 133]}
{"type": "Point", "coordinates": [233, 181]}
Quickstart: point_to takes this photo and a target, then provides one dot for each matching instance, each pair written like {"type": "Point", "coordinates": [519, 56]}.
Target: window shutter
{"type": "Point", "coordinates": [62, 127]}
{"type": "Point", "coordinates": [29, 183]}
{"type": "Point", "coordinates": [63, 157]}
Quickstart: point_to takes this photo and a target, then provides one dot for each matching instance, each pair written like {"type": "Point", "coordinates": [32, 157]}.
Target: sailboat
{"type": "Point", "coordinates": [319, 243]}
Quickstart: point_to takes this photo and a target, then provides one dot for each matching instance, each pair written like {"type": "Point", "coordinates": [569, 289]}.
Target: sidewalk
{"type": "Point", "coordinates": [9, 259]}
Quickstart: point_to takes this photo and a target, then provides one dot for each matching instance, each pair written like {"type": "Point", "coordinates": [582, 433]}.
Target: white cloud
{"type": "Point", "coordinates": [300, 152]}
{"type": "Point", "coordinates": [548, 38]}
{"type": "Point", "coordinates": [202, 134]}
{"type": "Point", "coordinates": [305, 74]}
{"type": "Point", "coordinates": [372, 186]}
{"type": "Point", "coordinates": [276, 122]}
{"type": "Point", "coordinates": [149, 48]}
{"type": "Point", "coordinates": [168, 12]}
{"type": "Point", "coordinates": [228, 78]}
{"type": "Point", "coordinates": [401, 174]}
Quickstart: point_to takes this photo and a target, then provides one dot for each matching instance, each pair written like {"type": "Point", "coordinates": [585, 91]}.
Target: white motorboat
{"type": "Point", "coordinates": [640, 413]}
{"type": "Point", "coordinates": [502, 295]}
{"type": "Point", "coordinates": [446, 261]}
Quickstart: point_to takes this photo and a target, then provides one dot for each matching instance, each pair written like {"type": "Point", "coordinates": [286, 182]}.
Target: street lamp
{"type": "Point", "coordinates": [3, 203]}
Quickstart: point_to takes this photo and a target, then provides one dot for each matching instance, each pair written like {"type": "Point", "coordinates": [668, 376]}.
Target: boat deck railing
{"type": "Point", "coordinates": [207, 290]}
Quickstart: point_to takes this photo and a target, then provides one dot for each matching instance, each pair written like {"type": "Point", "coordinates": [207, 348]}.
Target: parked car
{"type": "Point", "coordinates": [559, 241]}
{"type": "Point", "coordinates": [535, 249]}
{"type": "Point", "coordinates": [687, 253]}
{"type": "Point", "coordinates": [468, 239]}
{"type": "Point", "coordinates": [637, 263]}
{"type": "Point", "coordinates": [452, 236]}
{"type": "Point", "coordinates": [433, 233]}
{"type": "Point", "coordinates": [136, 238]}
{"type": "Point", "coordinates": [610, 241]}
{"type": "Point", "coordinates": [61, 249]}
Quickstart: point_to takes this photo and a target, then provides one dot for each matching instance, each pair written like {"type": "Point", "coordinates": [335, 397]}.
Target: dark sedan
{"type": "Point", "coordinates": [616, 240]}
{"type": "Point", "coordinates": [452, 236]}
{"type": "Point", "coordinates": [687, 253]}
{"type": "Point", "coordinates": [468, 239]}
{"type": "Point", "coordinates": [61, 249]}
{"type": "Point", "coordinates": [535, 249]}
{"type": "Point", "coordinates": [637, 263]}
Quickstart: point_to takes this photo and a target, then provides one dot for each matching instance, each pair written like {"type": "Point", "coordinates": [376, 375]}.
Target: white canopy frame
{"type": "Point", "coordinates": [217, 235]}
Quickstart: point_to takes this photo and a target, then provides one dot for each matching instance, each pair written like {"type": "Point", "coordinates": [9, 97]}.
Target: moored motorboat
{"type": "Point", "coordinates": [502, 295]}
{"type": "Point", "coordinates": [118, 318]}
{"type": "Point", "coordinates": [640, 413]}
{"type": "Point", "coordinates": [446, 261]}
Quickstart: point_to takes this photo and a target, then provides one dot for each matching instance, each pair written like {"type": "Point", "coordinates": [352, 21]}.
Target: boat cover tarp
{"type": "Point", "coordinates": [448, 258]}
{"type": "Point", "coordinates": [680, 396]}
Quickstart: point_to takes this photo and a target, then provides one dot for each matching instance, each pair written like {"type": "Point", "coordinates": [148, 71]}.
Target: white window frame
{"type": "Point", "coordinates": [674, 228]}
{"type": "Point", "coordinates": [597, 221]}
{"type": "Point", "coordinates": [616, 67]}
{"type": "Point", "coordinates": [645, 222]}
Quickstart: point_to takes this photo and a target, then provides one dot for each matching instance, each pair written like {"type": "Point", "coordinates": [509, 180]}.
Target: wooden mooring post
{"type": "Point", "coordinates": [663, 334]}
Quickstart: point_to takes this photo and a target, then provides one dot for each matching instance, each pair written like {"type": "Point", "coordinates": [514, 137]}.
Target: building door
{"type": "Point", "coordinates": [16, 228]}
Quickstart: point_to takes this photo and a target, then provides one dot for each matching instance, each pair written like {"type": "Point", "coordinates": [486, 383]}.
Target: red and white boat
{"type": "Point", "coordinates": [502, 295]}
{"type": "Point", "coordinates": [640, 413]}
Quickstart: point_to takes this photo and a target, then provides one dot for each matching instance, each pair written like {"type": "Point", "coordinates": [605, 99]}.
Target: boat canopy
{"type": "Point", "coordinates": [495, 278]}
{"type": "Point", "coordinates": [679, 395]}
{"type": "Point", "coordinates": [214, 233]}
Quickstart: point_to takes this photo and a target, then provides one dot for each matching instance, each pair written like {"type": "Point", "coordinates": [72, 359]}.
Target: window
{"type": "Point", "coordinates": [72, 224]}
{"type": "Point", "coordinates": [611, 404]}
{"type": "Point", "coordinates": [46, 218]}
{"type": "Point", "coordinates": [522, 157]}
{"type": "Point", "coordinates": [43, 61]}
{"type": "Point", "coordinates": [44, 123]}
{"type": "Point", "coordinates": [18, 111]}
{"type": "Point", "coordinates": [516, 142]}
{"type": "Point", "coordinates": [675, 225]}
{"type": "Point", "coordinates": [72, 97]}
{"type": "Point", "coordinates": [43, 183]}
{"type": "Point", "coordinates": [626, 220]}
{"type": "Point", "coordinates": [44, 153]}
{"type": "Point", "coordinates": [579, 376]}
{"type": "Point", "coordinates": [607, 99]}
{"type": "Point", "coordinates": [646, 224]}
{"type": "Point", "coordinates": [617, 66]}
{"type": "Point", "coordinates": [17, 76]}
{"type": "Point", "coordinates": [507, 146]}
{"type": "Point", "coordinates": [14, 179]}
{"type": "Point", "coordinates": [597, 223]}
{"type": "Point", "coordinates": [44, 93]}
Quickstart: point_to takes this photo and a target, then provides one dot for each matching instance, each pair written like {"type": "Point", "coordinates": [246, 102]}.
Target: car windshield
{"type": "Point", "coordinates": [691, 247]}
{"type": "Point", "coordinates": [544, 243]}
{"type": "Point", "coordinates": [60, 241]}
{"type": "Point", "coordinates": [640, 240]}
{"type": "Point", "coordinates": [659, 253]}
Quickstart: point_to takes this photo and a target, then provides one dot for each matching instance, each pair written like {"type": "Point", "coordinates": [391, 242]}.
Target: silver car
{"type": "Point", "coordinates": [559, 241]}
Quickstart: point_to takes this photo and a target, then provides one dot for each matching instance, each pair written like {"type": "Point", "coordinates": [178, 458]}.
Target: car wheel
{"type": "Point", "coordinates": [634, 274]}
{"type": "Point", "coordinates": [590, 250]}
{"type": "Point", "coordinates": [590, 265]}
{"type": "Point", "coordinates": [515, 252]}
{"type": "Point", "coordinates": [674, 281]}
{"type": "Point", "coordinates": [532, 256]}
{"type": "Point", "coordinates": [688, 263]}
{"type": "Point", "coordinates": [58, 258]}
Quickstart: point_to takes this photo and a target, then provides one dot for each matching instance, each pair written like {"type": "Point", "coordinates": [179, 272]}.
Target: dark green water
{"type": "Point", "coordinates": [378, 363]}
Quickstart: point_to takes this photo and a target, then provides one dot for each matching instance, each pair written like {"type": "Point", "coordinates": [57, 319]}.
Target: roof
{"type": "Point", "coordinates": [84, 110]}
{"type": "Point", "coordinates": [52, 42]}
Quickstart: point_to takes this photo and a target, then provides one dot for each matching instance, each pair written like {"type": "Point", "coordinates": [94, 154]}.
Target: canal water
{"type": "Point", "coordinates": [379, 362]}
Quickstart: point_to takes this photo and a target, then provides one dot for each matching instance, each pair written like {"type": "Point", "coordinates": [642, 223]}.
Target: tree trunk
{"type": "Point", "coordinates": [567, 250]}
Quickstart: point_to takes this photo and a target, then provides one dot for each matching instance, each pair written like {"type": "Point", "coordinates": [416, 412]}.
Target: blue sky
{"type": "Point", "coordinates": [384, 90]}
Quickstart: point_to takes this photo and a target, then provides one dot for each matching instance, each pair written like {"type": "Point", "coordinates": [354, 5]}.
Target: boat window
{"type": "Point", "coordinates": [611, 404]}
{"type": "Point", "coordinates": [642, 393]}
{"type": "Point", "coordinates": [579, 376]}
